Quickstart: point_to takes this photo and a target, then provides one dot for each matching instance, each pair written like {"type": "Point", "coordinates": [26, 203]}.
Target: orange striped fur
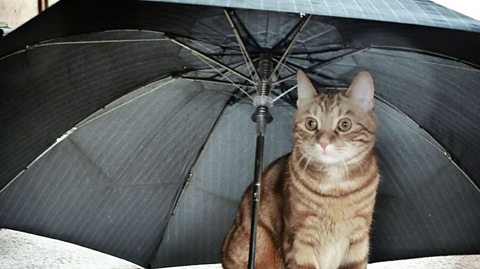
{"type": "Point", "coordinates": [316, 203]}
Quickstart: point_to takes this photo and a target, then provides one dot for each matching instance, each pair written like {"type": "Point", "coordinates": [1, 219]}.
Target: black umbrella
{"type": "Point", "coordinates": [152, 103]}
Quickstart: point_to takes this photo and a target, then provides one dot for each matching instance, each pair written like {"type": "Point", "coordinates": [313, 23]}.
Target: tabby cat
{"type": "Point", "coordinates": [317, 201]}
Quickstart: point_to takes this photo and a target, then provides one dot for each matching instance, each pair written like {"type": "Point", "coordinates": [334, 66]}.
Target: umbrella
{"type": "Point", "coordinates": [126, 125]}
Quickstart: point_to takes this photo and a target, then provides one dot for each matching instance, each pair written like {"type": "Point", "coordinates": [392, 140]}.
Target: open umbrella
{"type": "Point", "coordinates": [126, 125]}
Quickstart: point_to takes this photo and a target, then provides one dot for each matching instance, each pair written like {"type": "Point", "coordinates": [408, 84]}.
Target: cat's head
{"type": "Point", "coordinates": [335, 127]}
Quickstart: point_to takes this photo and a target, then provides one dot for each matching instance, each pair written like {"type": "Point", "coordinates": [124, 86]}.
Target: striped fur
{"type": "Point", "coordinates": [315, 210]}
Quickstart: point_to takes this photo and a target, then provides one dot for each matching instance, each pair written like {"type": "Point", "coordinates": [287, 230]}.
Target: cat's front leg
{"type": "Point", "coordinates": [300, 260]}
{"type": "Point", "coordinates": [299, 252]}
{"type": "Point", "coordinates": [357, 255]}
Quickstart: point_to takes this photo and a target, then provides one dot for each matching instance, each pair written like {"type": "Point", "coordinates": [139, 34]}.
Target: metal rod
{"type": "Point", "coordinates": [215, 81]}
{"type": "Point", "coordinates": [284, 93]}
{"type": "Point", "coordinates": [425, 52]}
{"type": "Point", "coordinates": [97, 42]}
{"type": "Point", "coordinates": [243, 49]}
{"type": "Point", "coordinates": [322, 64]}
{"type": "Point", "coordinates": [208, 58]}
{"type": "Point", "coordinates": [285, 65]}
{"type": "Point", "coordinates": [261, 118]}
{"type": "Point", "coordinates": [338, 58]}
{"type": "Point", "coordinates": [290, 77]}
{"type": "Point", "coordinates": [256, 192]}
{"type": "Point", "coordinates": [436, 144]}
{"type": "Point", "coordinates": [241, 25]}
{"type": "Point", "coordinates": [226, 72]}
{"type": "Point", "coordinates": [475, 66]}
{"type": "Point", "coordinates": [290, 46]}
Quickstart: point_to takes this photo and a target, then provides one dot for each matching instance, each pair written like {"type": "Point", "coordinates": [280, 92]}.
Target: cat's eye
{"type": "Point", "coordinates": [344, 125]}
{"type": "Point", "coordinates": [311, 124]}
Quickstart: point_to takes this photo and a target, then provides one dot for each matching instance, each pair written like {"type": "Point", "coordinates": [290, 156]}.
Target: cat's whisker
{"type": "Point", "coordinates": [346, 169]}
{"type": "Point", "coordinates": [307, 163]}
{"type": "Point", "coordinates": [300, 160]}
{"type": "Point", "coordinates": [361, 163]}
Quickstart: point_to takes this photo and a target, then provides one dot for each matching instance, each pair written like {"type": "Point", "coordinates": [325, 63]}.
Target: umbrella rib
{"type": "Point", "coordinates": [206, 58]}
{"type": "Point", "coordinates": [290, 46]}
{"type": "Point", "coordinates": [233, 83]}
{"type": "Point", "coordinates": [437, 146]}
{"type": "Point", "coordinates": [214, 81]}
{"type": "Point", "coordinates": [330, 61]}
{"type": "Point", "coordinates": [290, 77]}
{"type": "Point", "coordinates": [39, 45]}
{"type": "Point", "coordinates": [97, 42]}
{"type": "Point", "coordinates": [426, 52]}
{"type": "Point", "coordinates": [290, 33]}
{"type": "Point", "coordinates": [284, 93]}
{"type": "Point", "coordinates": [224, 72]}
{"type": "Point", "coordinates": [80, 125]}
{"type": "Point", "coordinates": [318, 73]}
{"type": "Point", "coordinates": [241, 26]}
{"type": "Point", "coordinates": [243, 49]}
{"type": "Point", "coordinates": [237, 66]}
{"type": "Point", "coordinates": [284, 64]}
{"type": "Point", "coordinates": [295, 86]}
{"type": "Point", "coordinates": [181, 192]}
{"type": "Point", "coordinates": [329, 48]}
{"type": "Point", "coordinates": [288, 98]}
{"type": "Point", "coordinates": [338, 58]}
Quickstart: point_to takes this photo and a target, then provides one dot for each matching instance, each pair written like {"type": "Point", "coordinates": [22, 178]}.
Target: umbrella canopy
{"type": "Point", "coordinates": [151, 102]}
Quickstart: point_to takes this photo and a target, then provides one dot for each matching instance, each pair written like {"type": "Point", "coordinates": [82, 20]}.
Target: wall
{"type": "Point", "coordinates": [16, 12]}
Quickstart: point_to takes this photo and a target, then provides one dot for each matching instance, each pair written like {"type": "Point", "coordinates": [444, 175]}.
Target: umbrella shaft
{"type": "Point", "coordinates": [261, 123]}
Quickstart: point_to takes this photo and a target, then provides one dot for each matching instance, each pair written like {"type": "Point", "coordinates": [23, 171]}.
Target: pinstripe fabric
{"type": "Point", "coordinates": [427, 208]}
{"type": "Point", "coordinates": [421, 12]}
{"type": "Point", "coordinates": [220, 176]}
{"type": "Point", "coordinates": [111, 184]}
{"type": "Point", "coordinates": [62, 85]}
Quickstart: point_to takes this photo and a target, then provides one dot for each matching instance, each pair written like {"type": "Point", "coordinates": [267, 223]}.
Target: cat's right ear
{"type": "Point", "coordinates": [304, 87]}
{"type": "Point", "coordinates": [361, 90]}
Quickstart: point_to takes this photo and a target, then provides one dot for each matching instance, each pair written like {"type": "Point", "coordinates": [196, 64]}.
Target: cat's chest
{"type": "Point", "coordinates": [327, 226]}
{"type": "Point", "coordinates": [328, 183]}
{"type": "Point", "coordinates": [335, 173]}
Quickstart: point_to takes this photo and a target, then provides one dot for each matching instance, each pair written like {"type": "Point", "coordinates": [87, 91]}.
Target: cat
{"type": "Point", "coordinates": [316, 202]}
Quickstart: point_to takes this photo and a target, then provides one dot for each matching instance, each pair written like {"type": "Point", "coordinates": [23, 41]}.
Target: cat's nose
{"type": "Point", "coordinates": [324, 144]}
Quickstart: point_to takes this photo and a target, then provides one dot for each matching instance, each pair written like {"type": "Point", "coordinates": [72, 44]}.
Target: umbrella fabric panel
{"type": "Point", "coordinates": [448, 43]}
{"type": "Point", "coordinates": [112, 184]}
{"type": "Point", "coordinates": [219, 178]}
{"type": "Point", "coordinates": [425, 205]}
{"type": "Point", "coordinates": [209, 24]}
{"type": "Point", "coordinates": [67, 18]}
{"type": "Point", "coordinates": [49, 89]}
{"type": "Point", "coordinates": [419, 12]}
{"type": "Point", "coordinates": [266, 28]}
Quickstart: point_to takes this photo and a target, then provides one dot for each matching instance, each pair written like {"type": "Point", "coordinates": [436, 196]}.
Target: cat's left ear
{"type": "Point", "coordinates": [361, 90]}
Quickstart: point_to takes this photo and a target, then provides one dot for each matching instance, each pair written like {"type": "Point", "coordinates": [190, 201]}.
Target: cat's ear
{"type": "Point", "coordinates": [361, 90]}
{"type": "Point", "coordinates": [304, 87]}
